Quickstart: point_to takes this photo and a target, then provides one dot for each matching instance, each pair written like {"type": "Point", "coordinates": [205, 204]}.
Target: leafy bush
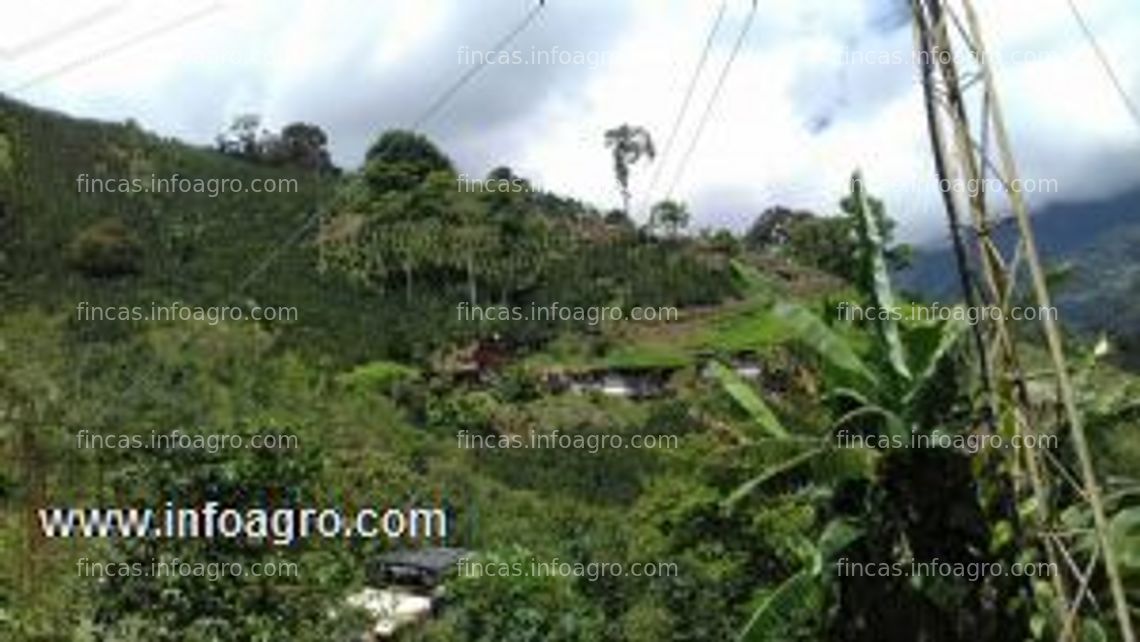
{"type": "Point", "coordinates": [382, 376]}
{"type": "Point", "coordinates": [7, 164]}
{"type": "Point", "coordinates": [515, 605]}
{"type": "Point", "coordinates": [474, 411]}
{"type": "Point", "coordinates": [106, 249]}
{"type": "Point", "coordinates": [518, 385]}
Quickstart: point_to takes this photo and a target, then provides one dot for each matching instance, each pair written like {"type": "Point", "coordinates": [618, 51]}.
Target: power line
{"type": "Point", "coordinates": [688, 98]}
{"type": "Point", "coordinates": [712, 100]}
{"type": "Point", "coordinates": [81, 23]}
{"type": "Point", "coordinates": [431, 110]}
{"type": "Point", "coordinates": [297, 233]}
{"type": "Point", "coordinates": [1133, 110]}
{"type": "Point", "coordinates": [117, 47]}
{"type": "Point", "coordinates": [267, 260]}
{"type": "Point", "coordinates": [471, 73]}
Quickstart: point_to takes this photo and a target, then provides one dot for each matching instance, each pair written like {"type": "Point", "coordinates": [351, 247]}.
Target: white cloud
{"type": "Point", "coordinates": [792, 122]}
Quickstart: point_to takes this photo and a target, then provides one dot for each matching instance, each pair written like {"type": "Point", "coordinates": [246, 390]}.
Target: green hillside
{"type": "Point", "coordinates": [1095, 244]}
{"type": "Point", "coordinates": [258, 248]}
{"type": "Point", "coordinates": [744, 505]}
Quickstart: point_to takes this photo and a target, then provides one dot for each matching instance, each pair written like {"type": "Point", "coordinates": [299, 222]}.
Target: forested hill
{"type": "Point", "coordinates": [752, 448]}
{"type": "Point", "coordinates": [61, 245]}
{"type": "Point", "coordinates": [1096, 243]}
{"type": "Point", "coordinates": [64, 242]}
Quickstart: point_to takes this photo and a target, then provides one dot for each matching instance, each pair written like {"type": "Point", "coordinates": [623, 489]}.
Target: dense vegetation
{"type": "Point", "coordinates": [1095, 244]}
{"type": "Point", "coordinates": [754, 507]}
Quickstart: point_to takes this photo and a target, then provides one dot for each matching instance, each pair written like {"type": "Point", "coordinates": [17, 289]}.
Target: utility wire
{"type": "Point", "coordinates": [79, 24]}
{"type": "Point", "coordinates": [431, 110]}
{"type": "Point", "coordinates": [275, 251]}
{"type": "Point", "coordinates": [297, 233]}
{"type": "Point", "coordinates": [1133, 110]}
{"type": "Point", "coordinates": [688, 98]}
{"type": "Point", "coordinates": [443, 98]}
{"type": "Point", "coordinates": [115, 47]}
{"type": "Point", "coordinates": [712, 100]}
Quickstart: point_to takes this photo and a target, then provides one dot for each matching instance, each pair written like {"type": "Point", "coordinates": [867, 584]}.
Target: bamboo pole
{"type": "Point", "coordinates": [936, 45]}
{"type": "Point", "coordinates": [1053, 339]}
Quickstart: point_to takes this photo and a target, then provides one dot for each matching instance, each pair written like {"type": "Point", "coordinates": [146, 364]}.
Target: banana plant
{"type": "Point", "coordinates": [893, 391]}
{"type": "Point", "coordinates": [890, 391]}
{"type": "Point", "coordinates": [805, 590]}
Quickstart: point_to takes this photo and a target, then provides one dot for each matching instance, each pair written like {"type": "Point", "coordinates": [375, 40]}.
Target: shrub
{"type": "Point", "coordinates": [7, 163]}
{"type": "Point", "coordinates": [500, 599]}
{"type": "Point", "coordinates": [379, 375]}
{"type": "Point", "coordinates": [105, 249]}
{"type": "Point", "coordinates": [475, 411]}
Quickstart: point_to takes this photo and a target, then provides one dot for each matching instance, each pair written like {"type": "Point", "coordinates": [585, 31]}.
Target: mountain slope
{"type": "Point", "coordinates": [1101, 242]}
{"type": "Point", "coordinates": [64, 243]}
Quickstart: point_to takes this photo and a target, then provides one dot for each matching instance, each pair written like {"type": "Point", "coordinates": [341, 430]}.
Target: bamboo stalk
{"type": "Point", "coordinates": [1053, 339]}
{"type": "Point", "coordinates": [936, 41]}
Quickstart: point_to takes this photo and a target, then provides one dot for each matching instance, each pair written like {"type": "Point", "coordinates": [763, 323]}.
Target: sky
{"type": "Point", "coordinates": [818, 89]}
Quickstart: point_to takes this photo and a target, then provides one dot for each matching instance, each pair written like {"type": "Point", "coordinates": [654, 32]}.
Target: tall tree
{"type": "Point", "coordinates": [774, 228]}
{"type": "Point", "coordinates": [629, 145]}
{"type": "Point", "coordinates": [302, 145]}
{"type": "Point", "coordinates": [243, 137]}
{"type": "Point", "coordinates": [672, 215]}
{"type": "Point", "coordinates": [469, 238]}
{"type": "Point", "coordinates": [401, 160]}
{"type": "Point", "coordinates": [829, 243]}
{"type": "Point", "coordinates": [403, 146]}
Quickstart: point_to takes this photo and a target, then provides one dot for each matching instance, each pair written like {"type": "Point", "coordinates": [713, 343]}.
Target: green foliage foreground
{"type": "Point", "coordinates": [754, 507]}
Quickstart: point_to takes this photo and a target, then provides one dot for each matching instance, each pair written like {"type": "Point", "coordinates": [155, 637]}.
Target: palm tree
{"type": "Point", "coordinates": [629, 145]}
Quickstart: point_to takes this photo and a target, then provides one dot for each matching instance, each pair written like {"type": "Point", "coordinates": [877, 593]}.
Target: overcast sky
{"type": "Point", "coordinates": [809, 98]}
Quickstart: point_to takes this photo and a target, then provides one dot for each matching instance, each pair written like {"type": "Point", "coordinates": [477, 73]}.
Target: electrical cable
{"type": "Point", "coordinates": [1133, 110]}
{"type": "Point", "coordinates": [681, 113]}
{"type": "Point", "coordinates": [443, 98]}
{"type": "Point", "coordinates": [712, 100]}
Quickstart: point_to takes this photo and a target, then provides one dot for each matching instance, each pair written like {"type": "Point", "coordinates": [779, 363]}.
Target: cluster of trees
{"type": "Point", "coordinates": [300, 145]}
{"type": "Point", "coordinates": [827, 243]}
{"type": "Point", "coordinates": [889, 505]}
{"type": "Point", "coordinates": [406, 223]}
{"type": "Point", "coordinates": [407, 218]}
{"type": "Point", "coordinates": [754, 507]}
{"type": "Point", "coordinates": [7, 165]}
{"type": "Point", "coordinates": [106, 248]}
{"type": "Point", "coordinates": [629, 145]}
{"type": "Point", "coordinates": [41, 595]}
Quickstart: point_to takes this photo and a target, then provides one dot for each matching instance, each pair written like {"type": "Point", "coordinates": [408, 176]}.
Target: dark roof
{"type": "Point", "coordinates": [428, 560]}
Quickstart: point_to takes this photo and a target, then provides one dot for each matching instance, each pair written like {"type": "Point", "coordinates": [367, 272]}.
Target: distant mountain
{"type": "Point", "coordinates": [1100, 239]}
